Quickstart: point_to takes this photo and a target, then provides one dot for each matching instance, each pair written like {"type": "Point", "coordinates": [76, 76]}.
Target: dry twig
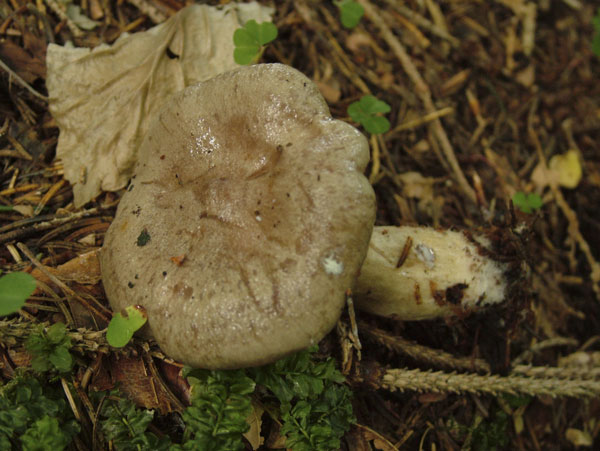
{"type": "Point", "coordinates": [424, 93]}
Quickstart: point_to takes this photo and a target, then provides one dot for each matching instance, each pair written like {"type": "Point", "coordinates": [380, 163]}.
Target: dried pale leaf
{"type": "Point", "coordinates": [378, 440]}
{"type": "Point", "coordinates": [330, 90]}
{"type": "Point", "coordinates": [526, 77]}
{"type": "Point", "coordinates": [357, 41]}
{"type": "Point", "coordinates": [518, 420]}
{"type": "Point", "coordinates": [81, 20]}
{"type": "Point", "coordinates": [417, 186]}
{"type": "Point", "coordinates": [89, 240]}
{"type": "Point", "coordinates": [253, 435]}
{"type": "Point", "coordinates": [578, 437]}
{"type": "Point", "coordinates": [542, 176]}
{"type": "Point", "coordinates": [103, 99]}
{"type": "Point", "coordinates": [25, 210]}
{"type": "Point", "coordinates": [83, 269]}
{"type": "Point", "coordinates": [568, 168]}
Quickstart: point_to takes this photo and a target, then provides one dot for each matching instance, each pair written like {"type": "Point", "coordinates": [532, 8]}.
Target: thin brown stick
{"type": "Point", "coordinates": [59, 11]}
{"type": "Point", "coordinates": [422, 22]}
{"type": "Point", "coordinates": [423, 92]}
{"type": "Point", "coordinates": [423, 120]}
{"type": "Point", "coordinates": [22, 82]}
{"type": "Point", "coordinates": [105, 315]}
{"type": "Point", "coordinates": [28, 226]}
{"type": "Point", "coordinates": [51, 192]}
{"type": "Point", "coordinates": [150, 10]}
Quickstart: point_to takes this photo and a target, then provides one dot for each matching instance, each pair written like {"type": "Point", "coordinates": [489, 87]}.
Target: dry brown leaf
{"type": "Point", "coordinates": [103, 99]}
{"type": "Point", "coordinates": [378, 440]}
{"type": "Point", "coordinates": [26, 66]}
{"type": "Point", "coordinates": [134, 379]}
{"type": "Point", "coordinates": [83, 269]}
{"type": "Point", "coordinates": [253, 435]}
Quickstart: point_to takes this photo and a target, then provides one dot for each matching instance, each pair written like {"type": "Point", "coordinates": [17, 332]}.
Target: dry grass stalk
{"type": "Point", "coordinates": [422, 353]}
{"type": "Point", "coordinates": [426, 381]}
{"type": "Point", "coordinates": [558, 373]}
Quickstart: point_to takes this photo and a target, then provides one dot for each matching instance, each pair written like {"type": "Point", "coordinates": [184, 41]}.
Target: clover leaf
{"type": "Point", "coordinates": [124, 324]}
{"type": "Point", "coordinates": [250, 39]}
{"type": "Point", "coordinates": [365, 112]}
{"type": "Point", "coordinates": [350, 13]}
{"type": "Point", "coordinates": [15, 288]}
{"type": "Point", "coordinates": [527, 202]}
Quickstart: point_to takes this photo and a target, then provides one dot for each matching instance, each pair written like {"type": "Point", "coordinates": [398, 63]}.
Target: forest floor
{"type": "Point", "coordinates": [491, 101]}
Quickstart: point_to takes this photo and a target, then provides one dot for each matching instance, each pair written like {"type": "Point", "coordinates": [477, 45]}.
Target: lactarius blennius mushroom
{"type": "Point", "coordinates": [247, 220]}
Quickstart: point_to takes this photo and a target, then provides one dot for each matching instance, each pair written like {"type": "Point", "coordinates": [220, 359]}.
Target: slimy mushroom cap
{"type": "Point", "coordinates": [246, 221]}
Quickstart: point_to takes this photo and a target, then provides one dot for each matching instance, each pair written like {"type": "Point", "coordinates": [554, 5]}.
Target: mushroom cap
{"type": "Point", "coordinates": [246, 221]}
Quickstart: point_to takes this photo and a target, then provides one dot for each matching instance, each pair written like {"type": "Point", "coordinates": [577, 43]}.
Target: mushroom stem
{"type": "Point", "coordinates": [416, 273]}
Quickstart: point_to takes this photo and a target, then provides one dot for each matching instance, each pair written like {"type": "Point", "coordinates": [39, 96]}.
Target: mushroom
{"type": "Point", "coordinates": [249, 218]}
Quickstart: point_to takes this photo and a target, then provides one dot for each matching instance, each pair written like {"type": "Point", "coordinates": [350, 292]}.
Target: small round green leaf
{"type": "Point", "coordinates": [267, 32]}
{"type": "Point", "coordinates": [249, 40]}
{"type": "Point", "coordinates": [376, 125]}
{"type": "Point", "coordinates": [123, 325]}
{"type": "Point", "coordinates": [15, 288]}
{"type": "Point", "coordinates": [350, 13]}
{"type": "Point", "coordinates": [245, 55]}
{"type": "Point", "coordinates": [365, 110]}
{"type": "Point", "coordinates": [527, 202]}
{"type": "Point", "coordinates": [372, 105]}
{"type": "Point", "coordinates": [243, 38]}
{"type": "Point", "coordinates": [61, 359]}
{"type": "Point", "coordinates": [56, 333]}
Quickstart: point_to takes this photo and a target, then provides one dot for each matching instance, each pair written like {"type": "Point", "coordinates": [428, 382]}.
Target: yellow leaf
{"type": "Point", "coordinates": [568, 168]}
{"type": "Point", "coordinates": [579, 438]}
{"type": "Point", "coordinates": [253, 435]}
